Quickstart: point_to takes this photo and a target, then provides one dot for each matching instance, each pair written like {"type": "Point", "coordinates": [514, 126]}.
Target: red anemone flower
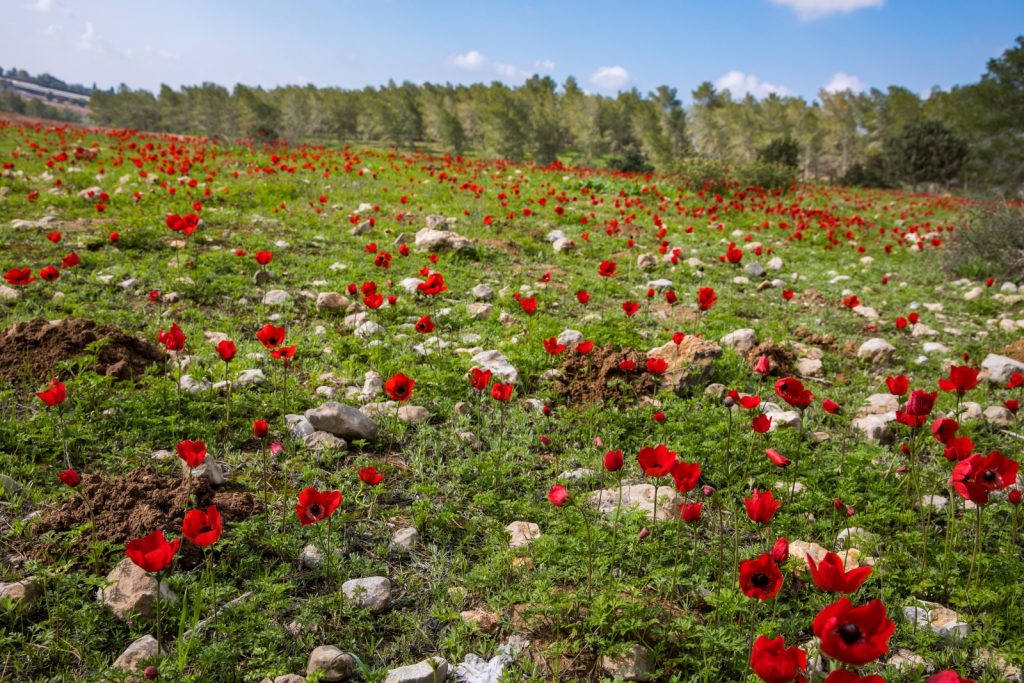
{"type": "Point", "coordinates": [285, 353]}
{"type": "Point", "coordinates": [259, 428]}
{"type": "Point", "coordinates": [962, 378]}
{"type": "Point", "coordinates": [656, 461]}
{"type": "Point", "coordinates": [501, 392]}
{"type": "Point", "coordinates": [226, 350]}
{"type": "Point", "coordinates": [630, 308]}
{"type": "Point", "coordinates": [315, 506]}
{"type": "Point", "coordinates": [657, 366]}
{"type": "Point", "coordinates": [19, 277]}
{"type": "Point", "coordinates": [760, 578]}
{"type": "Point", "coordinates": [977, 476]}
{"type": "Point", "coordinates": [706, 298]}
{"type": "Point", "coordinates": [898, 385]}
{"type": "Point", "coordinates": [778, 459]}
{"type": "Point", "coordinates": [761, 424]}
{"type": "Point", "coordinates": [792, 391]}
{"type": "Point", "coordinates": [773, 662]}
{"type": "Point", "coordinates": [831, 575]}
{"type": "Point", "coordinates": [173, 339]}
{"type": "Point", "coordinates": [370, 476]}
{"type": "Point", "coordinates": [613, 460]}
{"type": "Point", "coordinates": [264, 257]}
{"type": "Point", "coordinates": [192, 452]}
{"type": "Point", "coordinates": [433, 285]}
{"type": "Point", "coordinates": [854, 635]}
{"type": "Point", "coordinates": [425, 325]}
{"type": "Point", "coordinates": [270, 336]}
{"type": "Point", "coordinates": [948, 676]}
{"type": "Point", "coordinates": [202, 528]}
{"type": "Point", "coordinates": [49, 273]}
{"type": "Point", "coordinates": [944, 430]}
{"type": "Point", "coordinates": [847, 676]}
{"type": "Point", "coordinates": [552, 346]}
{"type": "Point", "coordinates": [399, 387]}
{"type": "Point", "coordinates": [70, 478]}
{"type": "Point", "coordinates": [761, 506]}
{"type": "Point", "coordinates": [152, 553]}
{"type": "Point", "coordinates": [479, 379]}
{"type": "Point", "coordinates": [54, 395]}
{"type": "Point", "coordinates": [558, 495]}
{"type": "Point", "coordinates": [606, 268]}
{"type": "Point", "coordinates": [690, 512]}
{"type": "Point", "coordinates": [685, 475]}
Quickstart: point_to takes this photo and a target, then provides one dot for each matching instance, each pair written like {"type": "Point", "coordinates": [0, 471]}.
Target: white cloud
{"type": "Point", "coordinates": [741, 84]}
{"type": "Point", "coordinates": [510, 71]}
{"type": "Point", "coordinates": [85, 41]}
{"type": "Point", "coordinates": [809, 10]}
{"type": "Point", "coordinates": [471, 60]}
{"type": "Point", "coordinates": [51, 30]}
{"type": "Point", "coordinates": [544, 65]}
{"type": "Point", "coordinates": [40, 6]}
{"type": "Point", "coordinates": [844, 81]}
{"type": "Point", "coordinates": [610, 77]}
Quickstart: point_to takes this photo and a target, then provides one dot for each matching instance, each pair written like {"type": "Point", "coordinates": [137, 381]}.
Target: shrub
{"type": "Point", "coordinates": [991, 244]}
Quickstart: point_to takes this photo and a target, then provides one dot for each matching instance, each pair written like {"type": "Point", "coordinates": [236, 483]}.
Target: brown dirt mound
{"type": "Point", "coordinates": [596, 377]}
{"type": "Point", "coordinates": [29, 351]}
{"type": "Point", "coordinates": [142, 501]}
{"type": "Point", "coordinates": [782, 358]}
{"type": "Point", "coordinates": [1015, 350]}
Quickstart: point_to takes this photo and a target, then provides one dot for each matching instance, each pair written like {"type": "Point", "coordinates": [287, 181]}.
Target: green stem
{"type": "Point", "coordinates": [590, 553]}
{"type": "Point", "coordinates": [977, 547]}
{"type": "Point", "coordinates": [615, 527]}
{"type": "Point", "coordinates": [159, 632]}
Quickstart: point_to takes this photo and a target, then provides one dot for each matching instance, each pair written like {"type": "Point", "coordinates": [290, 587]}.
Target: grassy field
{"type": "Point", "coordinates": [467, 465]}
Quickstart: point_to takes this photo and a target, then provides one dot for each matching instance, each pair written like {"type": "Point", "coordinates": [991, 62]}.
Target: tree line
{"type": "Point", "coordinates": [967, 136]}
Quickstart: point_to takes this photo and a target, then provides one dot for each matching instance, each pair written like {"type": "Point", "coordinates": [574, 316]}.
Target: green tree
{"type": "Point", "coordinates": [926, 151]}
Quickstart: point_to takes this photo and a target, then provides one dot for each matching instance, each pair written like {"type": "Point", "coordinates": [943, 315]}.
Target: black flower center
{"type": "Point", "coordinates": [989, 476]}
{"type": "Point", "coordinates": [316, 510]}
{"type": "Point", "coordinates": [760, 580]}
{"type": "Point", "coordinates": [850, 633]}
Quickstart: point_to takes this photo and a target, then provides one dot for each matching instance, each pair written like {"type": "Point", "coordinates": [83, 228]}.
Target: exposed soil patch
{"type": "Point", "coordinates": [811, 297]}
{"type": "Point", "coordinates": [29, 351]}
{"type": "Point", "coordinates": [1015, 350]}
{"type": "Point", "coordinates": [124, 508]}
{"type": "Point", "coordinates": [596, 376]}
{"type": "Point", "coordinates": [783, 359]}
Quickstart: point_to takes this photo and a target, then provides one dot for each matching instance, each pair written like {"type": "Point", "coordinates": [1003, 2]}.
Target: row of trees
{"type": "Point", "coordinates": [969, 134]}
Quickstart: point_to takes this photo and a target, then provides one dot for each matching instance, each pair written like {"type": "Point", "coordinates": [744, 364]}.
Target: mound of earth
{"type": "Point", "coordinates": [128, 507]}
{"type": "Point", "coordinates": [30, 351]}
{"type": "Point", "coordinates": [1015, 350]}
{"type": "Point", "coordinates": [783, 360]}
{"type": "Point", "coordinates": [596, 377]}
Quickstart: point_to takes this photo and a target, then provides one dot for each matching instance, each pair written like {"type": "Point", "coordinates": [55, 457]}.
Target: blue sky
{"type": "Point", "coordinates": [758, 46]}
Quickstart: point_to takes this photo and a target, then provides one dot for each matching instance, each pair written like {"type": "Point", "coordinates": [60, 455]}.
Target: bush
{"type": "Point", "coordinates": [784, 150]}
{"type": "Point", "coordinates": [702, 173]}
{"type": "Point", "coordinates": [632, 161]}
{"type": "Point", "coordinates": [872, 173]}
{"type": "Point", "coordinates": [765, 175]}
{"type": "Point", "coordinates": [991, 244]}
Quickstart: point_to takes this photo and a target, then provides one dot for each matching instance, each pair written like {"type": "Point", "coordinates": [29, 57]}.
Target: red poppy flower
{"type": "Point", "coordinates": [847, 676]}
{"type": "Point", "coordinates": [898, 385]}
{"type": "Point", "coordinates": [154, 295]}
{"type": "Point", "coordinates": [830, 406]}
{"type": "Point", "coordinates": [373, 301]}
{"type": "Point", "coordinates": [761, 424]}
{"type": "Point", "coordinates": [780, 551]}
{"type": "Point", "coordinates": [70, 261]}
{"type": "Point", "coordinates": [944, 430]}
{"type": "Point", "coordinates": [901, 323]}
{"type": "Point", "coordinates": [606, 268]}
{"type": "Point", "coordinates": [678, 337]}
{"type": "Point", "coordinates": [399, 387]}
{"type": "Point", "coordinates": [264, 257]}
{"type": "Point", "coordinates": [732, 254]}
{"type": "Point", "coordinates": [259, 428]}
{"type": "Point", "coordinates": [777, 459]}
{"type": "Point", "coordinates": [659, 416]}
{"type": "Point", "coordinates": [528, 304]}
{"type": "Point", "coordinates": [763, 365]}
{"type": "Point", "coordinates": [613, 461]}
{"type": "Point", "coordinates": [425, 325]}
{"type": "Point", "coordinates": [831, 575]}
{"type": "Point", "coordinates": [657, 366]}
{"type": "Point", "coordinates": [552, 346]}
{"type": "Point", "coordinates": [19, 277]}
{"type": "Point", "coordinates": [49, 273]}
{"type": "Point", "coordinates": [173, 339]}
{"type": "Point", "coordinates": [975, 477]}
{"type": "Point", "coordinates": [685, 475]}
{"type": "Point", "coordinates": [761, 506]}
{"type": "Point", "coordinates": [792, 391]}
{"type": "Point", "coordinates": [851, 301]}
{"type": "Point", "coordinates": [948, 676]}
{"type": "Point", "coordinates": [479, 379]}
{"type": "Point", "coordinates": [285, 353]}
{"type": "Point", "coordinates": [1016, 380]}
{"type": "Point", "coordinates": [271, 337]}
{"type": "Point", "coordinates": [226, 350]}
{"type": "Point", "coordinates": [368, 287]}
{"type": "Point", "coordinates": [656, 461]}
{"type": "Point", "coordinates": [152, 553]}
{"type": "Point", "coordinates": [54, 236]}
{"type": "Point", "coordinates": [501, 392]}
{"type": "Point", "coordinates": [192, 452]}
{"type": "Point", "coordinates": [690, 512]}
{"type": "Point", "coordinates": [630, 308]}
{"type": "Point", "coordinates": [773, 662]}
{"type": "Point", "coordinates": [582, 296]}
{"type": "Point", "coordinates": [433, 285]}
{"type": "Point", "coordinates": [382, 260]}
{"type": "Point", "coordinates": [1014, 496]}
{"type": "Point", "coordinates": [854, 635]}
{"type": "Point", "coordinates": [315, 506]}
{"type": "Point", "coordinates": [920, 403]}
{"type": "Point", "coordinates": [962, 378]}
{"type": "Point", "coordinates": [558, 495]}
{"type": "Point", "coordinates": [671, 297]}
{"type": "Point", "coordinates": [114, 237]}
{"type": "Point", "coordinates": [787, 294]}
{"type": "Point", "coordinates": [760, 578]}
{"type": "Point", "coordinates": [585, 347]}
{"type": "Point", "coordinates": [706, 298]}
{"type": "Point", "coordinates": [370, 476]}
{"type": "Point", "coordinates": [202, 528]}
{"type": "Point", "coordinates": [54, 395]}
{"type": "Point", "coordinates": [959, 448]}
{"type": "Point", "coordinates": [1012, 404]}
{"type": "Point", "coordinates": [70, 478]}
{"type": "Point", "coordinates": [627, 365]}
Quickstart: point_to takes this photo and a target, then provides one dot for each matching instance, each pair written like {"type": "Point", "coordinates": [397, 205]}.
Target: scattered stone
{"type": "Point", "coordinates": [22, 592]}
{"type": "Point", "coordinates": [372, 592]}
{"type": "Point", "coordinates": [934, 348]}
{"type": "Point", "coordinates": [479, 310]}
{"type": "Point", "coordinates": [249, 377]}
{"type": "Point", "coordinates": [299, 426]}
{"type": "Point", "coordinates": [939, 619]}
{"type": "Point", "coordinates": [854, 534]}
{"type": "Point", "coordinates": [342, 420]}
{"type": "Point", "coordinates": [937, 503]}
{"type": "Point", "coordinates": [562, 245]}
{"type": "Point", "coordinates": [754, 270]}
{"type": "Point", "coordinates": [139, 651]}
{"type": "Point", "coordinates": [368, 329]}
{"type": "Point", "coordinates": [780, 418]}
{"type": "Point", "coordinates": [331, 301]}
{"type": "Point", "coordinates": [482, 292]}
{"type": "Point", "coordinates": [9, 294]}
{"type": "Point", "coordinates": [999, 416]}
{"type": "Point", "coordinates": [462, 408]}
{"type": "Point", "coordinates": [866, 312]}
{"type": "Point", "coordinates": [331, 663]}
{"type": "Point", "coordinates": [485, 621]}
{"type": "Point", "coordinates": [276, 297]}
{"type": "Point", "coordinates": [1000, 368]}
{"type": "Point", "coordinates": [429, 239]}
{"type": "Point", "coordinates": [876, 350]}
{"type": "Point", "coordinates": [210, 470]}
{"type": "Point", "coordinates": [311, 557]}
{"type": "Point", "coordinates": [640, 496]}
{"type": "Point", "coordinates": [470, 439]}
{"type": "Point", "coordinates": [635, 665]}
{"type": "Point", "coordinates": [646, 262]}
{"type": "Point", "coordinates": [404, 539]}
{"type": "Point", "coordinates": [413, 414]}
{"type": "Point", "coordinates": [324, 441]}
{"type": "Point", "coordinates": [809, 367]}
{"type": "Point", "coordinates": [433, 670]}
{"type": "Point", "coordinates": [9, 487]}
{"type": "Point", "coordinates": [906, 661]}
{"type": "Point", "coordinates": [132, 592]}
{"type": "Point", "coordinates": [973, 293]}
{"type": "Point", "coordinates": [496, 362]}
{"type": "Point", "coordinates": [743, 340]}
{"type": "Point", "coordinates": [691, 363]}
{"type": "Point", "coordinates": [373, 384]}
{"type": "Point", "coordinates": [775, 263]}
{"type": "Point", "coordinates": [522, 533]}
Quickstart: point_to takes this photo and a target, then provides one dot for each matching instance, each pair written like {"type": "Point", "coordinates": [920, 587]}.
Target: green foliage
{"type": "Point", "coordinates": [926, 151]}
{"type": "Point", "coordinates": [991, 244]}
{"type": "Point", "coordinates": [784, 151]}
